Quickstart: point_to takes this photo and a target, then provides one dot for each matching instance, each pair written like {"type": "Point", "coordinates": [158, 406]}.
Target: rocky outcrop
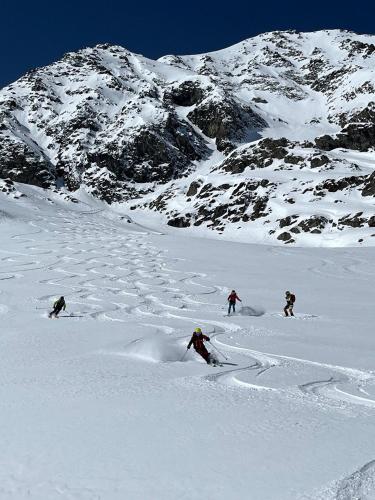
{"type": "Point", "coordinates": [261, 155]}
{"type": "Point", "coordinates": [369, 186]}
{"type": "Point", "coordinates": [152, 155]}
{"type": "Point", "coordinates": [334, 185]}
{"type": "Point", "coordinates": [353, 220]}
{"type": "Point", "coordinates": [21, 162]}
{"type": "Point", "coordinates": [224, 119]}
{"type": "Point", "coordinates": [187, 93]}
{"type": "Point", "coordinates": [285, 237]}
{"type": "Point", "coordinates": [313, 224]}
{"type": "Point", "coordinates": [357, 136]}
{"type": "Point", "coordinates": [179, 222]}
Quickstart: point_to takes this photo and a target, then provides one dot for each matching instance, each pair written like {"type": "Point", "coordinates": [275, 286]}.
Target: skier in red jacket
{"type": "Point", "coordinates": [232, 297]}
{"type": "Point", "coordinates": [197, 340]}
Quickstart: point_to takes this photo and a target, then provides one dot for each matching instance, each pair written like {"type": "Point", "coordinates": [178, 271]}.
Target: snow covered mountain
{"type": "Point", "coordinates": [269, 140]}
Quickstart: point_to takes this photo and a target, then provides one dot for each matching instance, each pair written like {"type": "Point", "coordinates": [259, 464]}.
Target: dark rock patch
{"type": "Point", "coordinates": [179, 222]}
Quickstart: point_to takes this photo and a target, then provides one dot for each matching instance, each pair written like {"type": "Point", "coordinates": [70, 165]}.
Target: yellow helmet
{"type": "Point", "coordinates": [198, 330]}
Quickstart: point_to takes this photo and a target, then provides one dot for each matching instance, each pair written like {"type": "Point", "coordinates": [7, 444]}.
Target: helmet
{"type": "Point", "coordinates": [287, 292]}
{"type": "Point", "coordinates": [198, 330]}
{"type": "Point", "coordinates": [233, 291]}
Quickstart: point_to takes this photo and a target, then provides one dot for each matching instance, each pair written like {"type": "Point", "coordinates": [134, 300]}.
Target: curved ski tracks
{"type": "Point", "coordinates": [109, 275]}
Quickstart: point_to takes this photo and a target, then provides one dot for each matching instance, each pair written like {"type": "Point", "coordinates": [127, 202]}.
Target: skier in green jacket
{"type": "Point", "coordinates": [57, 307]}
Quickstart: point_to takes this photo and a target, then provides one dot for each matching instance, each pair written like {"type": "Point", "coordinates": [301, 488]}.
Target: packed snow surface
{"type": "Point", "coordinates": [102, 404]}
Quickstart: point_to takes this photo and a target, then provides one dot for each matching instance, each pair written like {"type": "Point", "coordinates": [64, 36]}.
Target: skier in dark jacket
{"type": "Point", "coordinates": [57, 307]}
{"type": "Point", "coordinates": [197, 340]}
{"type": "Point", "coordinates": [290, 300]}
{"type": "Point", "coordinates": [232, 297]}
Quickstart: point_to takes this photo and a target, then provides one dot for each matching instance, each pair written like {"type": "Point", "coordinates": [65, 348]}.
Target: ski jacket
{"type": "Point", "coordinates": [233, 297]}
{"type": "Point", "coordinates": [59, 304]}
{"type": "Point", "coordinates": [197, 340]}
{"type": "Point", "coordinates": [291, 298]}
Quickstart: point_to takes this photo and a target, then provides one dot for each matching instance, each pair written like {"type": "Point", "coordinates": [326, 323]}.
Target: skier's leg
{"type": "Point", "coordinates": [205, 354]}
{"type": "Point", "coordinates": [291, 310]}
{"type": "Point", "coordinates": [229, 307]}
{"type": "Point", "coordinates": [286, 310]}
{"type": "Point", "coordinates": [234, 307]}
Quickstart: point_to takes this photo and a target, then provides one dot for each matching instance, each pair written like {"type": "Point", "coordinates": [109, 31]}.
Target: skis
{"type": "Point", "coordinates": [66, 316]}
{"type": "Point", "coordinates": [71, 316]}
{"type": "Point", "coordinates": [223, 363]}
{"type": "Point", "coordinates": [214, 365]}
{"type": "Point", "coordinates": [214, 361]}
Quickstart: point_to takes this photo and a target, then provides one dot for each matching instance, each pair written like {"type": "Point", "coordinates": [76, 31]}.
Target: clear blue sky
{"type": "Point", "coordinates": [37, 32]}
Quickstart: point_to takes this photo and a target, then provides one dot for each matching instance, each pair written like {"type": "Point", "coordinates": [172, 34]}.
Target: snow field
{"type": "Point", "coordinates": [99, 404]}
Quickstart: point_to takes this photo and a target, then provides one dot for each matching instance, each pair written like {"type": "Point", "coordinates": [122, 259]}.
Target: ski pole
{"type": "Point", "coordinates": [221, 354]}
{"type": "Point", "coordinates": [183, 357]}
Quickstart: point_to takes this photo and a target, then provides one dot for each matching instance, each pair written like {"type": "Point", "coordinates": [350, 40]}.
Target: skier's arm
{"type": "Point", "coordinates": [237, 297]}
{"type": "Point", "coordinates": [64, 306]}
{"type": "Point", "coordinates": [189, 344]}
{"type": "Point", "coordinates": [206, 338]}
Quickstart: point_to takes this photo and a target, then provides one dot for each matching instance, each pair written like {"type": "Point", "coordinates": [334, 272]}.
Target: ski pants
{"type": "Point", "coordinates": [289, 308]}
{"type": "Point", "coordinates": [55, 311]}
{"type": "Point", "coordinates": [204, 353]}
{"type": "Point", "coordinates": [232, 304]}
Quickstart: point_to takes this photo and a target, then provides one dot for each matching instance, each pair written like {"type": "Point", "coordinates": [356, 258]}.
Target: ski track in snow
{"type": "Point", "coordinates": [109, 276]}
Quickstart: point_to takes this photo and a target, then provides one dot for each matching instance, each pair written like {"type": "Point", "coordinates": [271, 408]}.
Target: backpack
{"type": "Point", "coordinates": [292, 298]}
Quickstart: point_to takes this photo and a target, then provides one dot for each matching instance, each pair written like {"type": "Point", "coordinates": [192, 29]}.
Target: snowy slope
{"type": "Point", "coordinates": [99, 405]}
{"type": "Point", "coordinates": [277, 128]}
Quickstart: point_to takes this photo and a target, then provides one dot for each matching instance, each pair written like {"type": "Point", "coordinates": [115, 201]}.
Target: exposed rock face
{"type": "Point", "coordinates": [179, 222]}
{"type": "Point", "coordinates": [152, 155]}
{"type": "Point", "coordinates": [353, 220]}
{"type": "Point", "coordinates": [220, 136]}
{"type": "Point", "coordinates": [334, 185]}
{"type": "Point", "coordinates": [285, 236]}
{"type": "Point", "coordinates": [357, 136]}
{"type": "Point", "coordinates": [22, 163]}
{"type": "Point", "coordinates": [369, 186]}
{"type": "Point", "coordinates": [7, 187]}
{"type": "Point", "coordinates": [313, 224]}
{"type": "Point", "coordinates": [259, 156]}
{"type": "Point", "coordinates": [187, 93]}
{"type": "Point", "coordinates": [224, 119]}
